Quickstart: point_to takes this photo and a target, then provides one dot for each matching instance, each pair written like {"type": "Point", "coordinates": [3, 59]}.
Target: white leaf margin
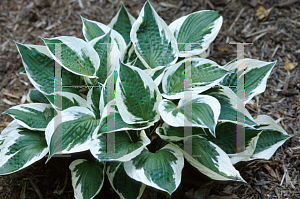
{"type": "Point", "coordinates": [172, 69]}
{"type": "Point", "coordinates": [139, 175]}
{"type": "Point", "coordinates": [207, 39]}
{"type": "Point", "coordinates": [96, 145]}
{"type": "Point", "coordinates": [9, 137]}
{"type": "Point", "coordinates": [162, 26]}
{"type": "Point", "coordinates": [36, 106]}
{"type": "Point", "coordinates": [122, 108]}
{"type": "Point", "coordinates": [69, 114]}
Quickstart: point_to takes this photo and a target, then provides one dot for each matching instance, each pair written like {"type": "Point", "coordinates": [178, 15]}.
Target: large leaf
{"type": "Point", "coordinates": [210, 159]}
{"type": "Point", "coordinates": [20, 147]}
{"type": "Point", "coordinates": [39, 66]}
{"type": "Point", "coordinates": [128, 144]}
{"type": "Point", "coordinates": [33, 116]}
{"type": "Point", "coordinates": [137, 96]}
{"type": "Point", "coordinates": [122, 23]}
{"type": "Point", "coordinates": [198, 29]}
{"type": "Point", "coordinates": [77, 56]}
{"type": "Point", "coordinates": [125, 187]}
{"type": "Point", "coordinates": [205, 112]}
{"type": "Point", "coordinates": [93, 29]}
{"type": "Point", "coordinates": [71, 131]}
{"type": "Point", "coordinates": [205, 74]}
{"type": "Point", "coordinates": [255, 74]}
{"type": "Point", "coordinates": [114, 117]}
{"type": "Point", "coordinates": [270, 139]}
{"type": "Point", "coordinates": [153, 41]}
{"type": "Point", "coordinates": [161, 170]}
{"type": "Point", "coordinates": [87, 178]}
{"type": "Point", "coordinates": [232, 107]}
{"type": "Point", "coordinates": [226, 139]}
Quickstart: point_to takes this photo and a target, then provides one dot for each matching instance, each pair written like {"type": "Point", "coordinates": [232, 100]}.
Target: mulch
{"type": "Point", "coordinates": [272, 29]}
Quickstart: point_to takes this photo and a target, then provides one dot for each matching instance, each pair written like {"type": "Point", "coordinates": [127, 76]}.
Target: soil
{"type": "Point", "coordinates": [274, 35]}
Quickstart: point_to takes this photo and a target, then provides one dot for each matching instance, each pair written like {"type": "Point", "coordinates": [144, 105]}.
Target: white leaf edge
{"type": "Point", "coordinates": [148, 82]}
{"type": "Point", "coordinates": [69, 114]}
{"type": "Point", "coordinates": [162, 26]}
{"type": "Point", "coordinates": [139, 175]}
{"type": "Point", "coordinates": [96, 145]}
{"type": "Point", "coordinates": [172, 69]}
{"type": "Point", "coordinates": [207, 39]}
{"type": "Point", "coordinates": [78, 46]}
{"type": "Point", "coordinates": [77, 190]}
{"type": "Point", "coordinates": [36, 106]}
{"type": "Point", "coordinates": [10, 135]}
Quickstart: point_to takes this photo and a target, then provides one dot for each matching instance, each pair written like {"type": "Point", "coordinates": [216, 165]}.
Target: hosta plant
{"type": "Point", "coordinates": [124, 96]}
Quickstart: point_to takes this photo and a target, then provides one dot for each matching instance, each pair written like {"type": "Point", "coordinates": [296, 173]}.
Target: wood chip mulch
{"type": "Point", "coordinates": [271, 26]}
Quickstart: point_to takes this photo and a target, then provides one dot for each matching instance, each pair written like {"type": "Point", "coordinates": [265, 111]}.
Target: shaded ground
{"type": "Point", "coordinates": [275, 37]}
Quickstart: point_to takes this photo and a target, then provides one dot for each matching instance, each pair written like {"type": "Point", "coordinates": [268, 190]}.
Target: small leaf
{"type": "Point", "coordinates": [153, 41]}
{"type": "Point", "coordinates": [35, 96]}
{"type": "Point", "coordinates": [87, 178]}
{"type": "Point", "coordinates": [270, 139]}
{"type": "Point", "coordinates": [161, 170]}
{"type": "Point", "coordinates": [93, 101]}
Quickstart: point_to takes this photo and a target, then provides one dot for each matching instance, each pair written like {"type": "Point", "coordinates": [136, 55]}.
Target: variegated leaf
{"type": "Point", "coordinates": [197, 29]}
{"type": "Point", "coordinates": [255, 74]}
{"type": "Point", "coordinates": [205, 112]}
{"type": "Point", "coordinates": [128, 144]}
{"type": "Point", "coordinates": [270, 139]}
{"type": "Point", "coordinates": [33, 116]}
{"type": "Point", "coordinates": [205, 74]}
{"type": "Point", "coordinates": [71, 131]}
{"type": "Point", "coordinates": [93, 29]}
{"type": "Point", "coordinates": [35, 96]}
{"type": "Point", "coordinates": [66, 100]}
{"type": "Point", "coordinates": [161, 170]}
{"type": "Point", "coordinates": [226, 139]}
{"type": "Point", "coordinates": [173, 134]}
{"type": "Point", "coordinates": [232, 106]}
{"type": "Point", "coordinates": [124, 186]}
{"type": "Point", "coordinates": [137, 96]}
{"type": "Point", "coordinates": [77, 56]}
{"type": "Point", "coordinates": [39, 66]}
{"type": "Point", "coordinates": [152, 39]}
{"type": "Point", "coordinates": [109, 55]}
{"type": "Point", "coordinates": [210, 159]}
{"type": "Point", "coordinates": [122, 23]}
{"type": "Point", "coordinates": [113, 117]}
{"type": "Point", "coordinates": [20, 147]}
{"type": "Point", "coordinates": [93, 101]}
{"type": "Point", "coordinates": [87, 178]}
